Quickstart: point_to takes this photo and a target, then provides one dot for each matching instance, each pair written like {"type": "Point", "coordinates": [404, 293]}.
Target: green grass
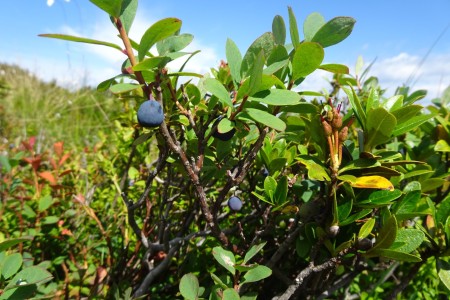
{"type": "Point", "coordinates": [31, 107]}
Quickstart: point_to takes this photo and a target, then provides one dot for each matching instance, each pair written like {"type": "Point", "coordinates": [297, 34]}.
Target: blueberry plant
{"type": "Point", "coordinates": [235, 186]}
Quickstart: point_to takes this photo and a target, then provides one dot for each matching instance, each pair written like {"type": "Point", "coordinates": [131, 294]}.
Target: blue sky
{"type": "Point", "coordinates": [398, 34]}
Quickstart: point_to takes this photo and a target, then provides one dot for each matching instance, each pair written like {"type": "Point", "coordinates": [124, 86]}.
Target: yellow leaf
{"type": "Point", "coordinates": [372, 182]}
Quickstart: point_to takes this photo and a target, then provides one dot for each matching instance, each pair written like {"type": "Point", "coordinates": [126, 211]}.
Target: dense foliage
{"type": "Point", "coordinates": [246, 186]}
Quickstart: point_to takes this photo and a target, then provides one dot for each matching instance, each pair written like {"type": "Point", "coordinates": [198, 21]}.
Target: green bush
{"type": "Point", "coordinates": [345, 195]}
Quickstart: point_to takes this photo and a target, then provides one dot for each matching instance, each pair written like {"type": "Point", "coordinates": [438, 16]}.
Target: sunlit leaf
{"type": "Point", "coordinates": [276, 97]}
{"type": "Point", "coordinates": [80, 40]}
{"type": "Point", "coordinates": [312, 24]}
{"type": "Point", "coordinates": [293, 28]}
{"type": "Point", "coordinates": [234, 59]}
{"type": "Point", "coordinates": [266, 119]}
{"type": "Point", "coordinates": [224, 258]}
{"type": "Point", "coordinates": [189, 286]}
{"type": "Point", "coordinates": [307, 58]}
{"type": "Point", "coordinates": [334, 31]}
{"type": "Point", "coordinates": [157, 32]}
{"type": "Point", "coordinates": [279, 30]}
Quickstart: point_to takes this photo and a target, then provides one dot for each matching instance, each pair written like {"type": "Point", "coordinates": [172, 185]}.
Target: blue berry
{"type": "Point", "coordinates": [235, 203]}
{"type": "Point", "coordinates": [150, 114]}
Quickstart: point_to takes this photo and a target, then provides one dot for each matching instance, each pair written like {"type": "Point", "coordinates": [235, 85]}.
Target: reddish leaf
{"type": "Point", "coordinates": [63, 159]}
{"type": "Point", "coordinates": [48, 176]}
{"type": "Point", "coordinates": [58, 147]}
{"type": "Point", "coordinates": [65, 172]}
{"type": "Point", "coordinates": [53, 163]}
{"type": "Point", "coordinates": [35, 162]}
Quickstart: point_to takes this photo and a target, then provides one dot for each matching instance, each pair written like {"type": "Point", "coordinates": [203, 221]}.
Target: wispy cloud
{"type": "Point", "coordinates": [405, 69]}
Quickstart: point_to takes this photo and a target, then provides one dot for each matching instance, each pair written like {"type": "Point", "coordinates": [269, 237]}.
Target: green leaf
{"type": "Point", "coordinates": [266, 43]}
{"type": "Point", "coordinates": [411, 124]}
{"type": "Point", "coordinates": [408, 240]}
{"type": "Point", "coordinates": [29, 276]}
{"type": "Point", "coordinates": [11, 265]}
{"type": "Point", "coordinates": [225, 258]}
{"type": "Point", "coordinates": [356, 106]}
{"type": "Point", "coordinates": [405, 113]}
{"type": "Point", "coordinates": [379, 127]}
{"type": "Point", "coordinates": [225, 125]}
{"type": "Point", "coordinates": [253, 251]}
{"type": "Point", "coordinates": [360, 163]}
{"type": "Point", "coordinates": [393, 103]}
{"type": "Point", "coordinates": [151, 63]}
{"type": "Point", "coordinates": [217, 89]}
{"type": "Point", "coordinates": [307, 58]}
{"type": "Point", "coordinates": [256, 73]}
{"type": "Point", "coordinates": [234, 59]}
{"type": "Point", "coordinates": [189, 286]}
{"type": "Point", "coordinates": [45, 202]}
{"type": "Point", "coordinates": [230, 294]}
{"type": "Point", "coordinates": [312, 24]}
{"type": "Point", "coordinates": [276, 97]}
{"type": "Point", "coordinates": [335, 68]}
{"type": "Point", "coordinates": [334, 31]}
{"type": "Point", "coordinates": [256, 274]}
{"type": "Point", "coordinates": [279, 30]}
{"type": "Point", "coordinates": [366, 229]}
{"type": "Point", "coordinates": [12, 242]}
{"type": "Point", "coordinates": [174, 43]}
{"type": "Point", "coordinates": [127, 13]}
{"type": "Point", "coordinates": [398, 255]}
{"type": "Point", "coordinates": [270, 186]}
{"type": "Point", "coordinates": [443, 268]}
{"type": "Point", "coordinates": [316, 170]}
{"type": "Point", "coordinates": [50, 220]}
{"type": "Point", "coordinates": [443, 210]}
{"type": "Point", "coordinates": [359, 65]}
{"type": "Point", "coordinates": [111, 7]}
{"type": "Point", "coordinates": [355, 216]}
{"type": "Point", "coordinates": [293, 28]}
{"type": "Point", "coordinates": [266, 119]}
{"type": "Point", "coordinates": [72, 38]}
{"type": "Point", "coordinates": [442, 146]}
{"type": "Point", "coordinates": [380, 198]}
{"type": "Point", "coordinates": [386, 235]}
{"type": "Point", "coordinates": [218, 281]}
{"type": "Point", "coordinates": [157, 32]}
{"type": "Point", "coordinates": [281, 191]}
{"type": "Point", "coordinates": [123, 88]}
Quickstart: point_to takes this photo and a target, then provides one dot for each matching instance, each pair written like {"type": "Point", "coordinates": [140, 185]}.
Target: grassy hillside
{"type": "Point", "coordinates": [31, 107]}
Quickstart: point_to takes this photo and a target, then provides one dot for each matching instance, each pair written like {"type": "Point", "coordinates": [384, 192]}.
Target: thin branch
{"type": "Point", "coordinates": [305, 273]}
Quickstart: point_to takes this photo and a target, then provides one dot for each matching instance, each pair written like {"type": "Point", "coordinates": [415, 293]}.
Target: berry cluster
{"type": "Point", "coordinates": [335, 133]}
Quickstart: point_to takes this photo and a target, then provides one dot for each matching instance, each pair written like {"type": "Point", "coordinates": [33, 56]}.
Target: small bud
{"type": "Point", "coordinates": [337, 121]}
{"type": "Point", "coordinates": [333, 230]}
{"type": "Point", "coordinates": [343, 134]}
{"type": "Point", "coordinates": [327, 128]}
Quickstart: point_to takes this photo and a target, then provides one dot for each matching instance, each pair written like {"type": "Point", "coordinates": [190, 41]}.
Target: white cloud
{"type": "Point", "coordinates": [433, 75]}
{"type": "Point", "coordinates": [95, 63]}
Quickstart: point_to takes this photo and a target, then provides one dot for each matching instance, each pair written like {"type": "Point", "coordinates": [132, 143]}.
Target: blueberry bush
{"type": "Point", "coordinates": [238, 184]}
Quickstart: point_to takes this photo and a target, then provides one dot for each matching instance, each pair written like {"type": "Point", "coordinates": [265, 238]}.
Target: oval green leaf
{"type": "Point", "coordinates": [276, 97]}
{"type": "Point", "coordinates": [189, 287]}
{"type": "Point", "coordinates": [334, 31]}
{"type": "Point", "coordinates": [11, 264]}
{"type": "Point", "coordinates": [266, 119]}
{"type": "Point", "coordinates": [312, 24]}
{"type": "Point", "coordinates": [216, 88]}
{"type": "Point", "coordinates": [157, 32]}
{"type": "Point", "coordinates": [307, 58]}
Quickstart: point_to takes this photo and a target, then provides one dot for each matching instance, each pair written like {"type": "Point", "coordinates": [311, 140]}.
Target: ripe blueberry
{"type": "Point", "coordinates": [223, 136]}
{"type": "Point", "coordinates": [235, 203]}
{"type": "Point", "coordinates": [150, 114]}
